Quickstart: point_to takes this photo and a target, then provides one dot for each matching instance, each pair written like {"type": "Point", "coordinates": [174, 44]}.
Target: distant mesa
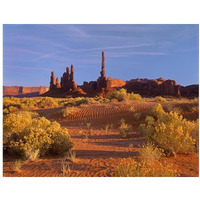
{"type": "Point", "coordinates": [20, 91]}
{"type": "Point", "coordinates": [103, 86]}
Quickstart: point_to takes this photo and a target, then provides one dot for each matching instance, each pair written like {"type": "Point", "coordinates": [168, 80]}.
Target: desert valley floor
{"type": "Point", "coordinates": [98, 153]}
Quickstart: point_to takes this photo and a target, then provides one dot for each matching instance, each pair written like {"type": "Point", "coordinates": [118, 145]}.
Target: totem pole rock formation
{"type": "Point", "coordinates": [66, 86]}
{"type": "Point", "coordinates": [73, 85]}
{"type": "Point", "coordinates": [52, 81]}
{"type": "Point", "coordinates": [101, 81]}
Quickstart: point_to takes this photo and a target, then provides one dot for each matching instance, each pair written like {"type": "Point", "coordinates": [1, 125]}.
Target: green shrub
{"type": "Point", "coordinates": [124, 129]}
{"type": "Point", "coordinates": [169, 131]}
{"type": "Point", "coordinates": [27, 134]}
{"type": "Point", "coordinates": [160, 99]}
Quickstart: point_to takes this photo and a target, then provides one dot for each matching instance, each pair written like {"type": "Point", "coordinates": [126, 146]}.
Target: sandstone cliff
{"type": "Point", "coordinates": [20, 91]}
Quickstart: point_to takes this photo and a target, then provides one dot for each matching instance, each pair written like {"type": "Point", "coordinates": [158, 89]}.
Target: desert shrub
{"type": "Point", "coordinates": [25, 133]}
{"type": "Point", "coordinates": [150, 165]}
{"type": "Point", "coordinates": [135, 97]}
{"type": "Point", "coordinates": [169, 131]}
{"type": "Point", "coordinates": [46, 102]}
{"type": "Point", "coordinates": [160, 99]}
{"type": "Point", "coordinates": [137, 116]}
{"type": "Point", "coordinates": [130, 168]}
{"type": "Point", "coordinates": [149, 153]}
{"type": "Point", "coordinates": [6, 111]}
{"type": "Point", "coordinates": [81, 101]}
{"type": "Point", "coordinates": [122, 95]}
{"type": "Point", "coordinates": [124, 129]}
{"type": "Point", "coordinates": [68, 111]}
{"type": "Point", "coordinates": [157, 111]}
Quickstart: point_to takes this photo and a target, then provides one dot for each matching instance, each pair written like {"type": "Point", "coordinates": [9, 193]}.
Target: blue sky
{"type": "Point", "coordinates": [31, 52]}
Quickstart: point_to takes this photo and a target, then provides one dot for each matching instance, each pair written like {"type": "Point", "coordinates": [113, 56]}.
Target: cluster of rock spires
{"type": "Point", "coordinates": [67, 85]}
{"type": "Point", "coordinates": [67, 80]}
{"type": "Point", "coordinates": [104, 86]}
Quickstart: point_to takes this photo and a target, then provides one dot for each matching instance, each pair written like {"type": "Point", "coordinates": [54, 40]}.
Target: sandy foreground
{"type": "Point", "coordinates": [99, 153]}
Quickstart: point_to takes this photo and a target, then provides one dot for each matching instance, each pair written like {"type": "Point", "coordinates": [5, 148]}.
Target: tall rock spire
{"type": "Point", "coordinates": [72, 74]}
{"type": "Point", "coordinates": [52, 81]}
{"type": "Point", "coordinates": [103, 73]}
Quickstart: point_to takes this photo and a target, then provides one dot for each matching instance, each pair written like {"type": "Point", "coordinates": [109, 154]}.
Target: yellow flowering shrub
{"type": "Point", "coordinates": [170, 131]}
{"type": "Point", "coordinates": [30, 134]}
{"type": "Point", "coordinates": [11, 104]}
{"type": "Point", "coordinates": [69, 111]}
{"type": "Point", "coordinates": [122, 95]}
{"type": "Point", "coordinates": [160, 99]}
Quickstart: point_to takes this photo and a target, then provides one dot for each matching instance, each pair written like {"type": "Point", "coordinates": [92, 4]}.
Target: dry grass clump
{"type": "Point", "coordinates": [32, 155]}
{"type": "Point", "coordinates": [17, 166]}
{"type": "Point", "coordinates": [169, 130]}
{"type": "Point", "coordinates": [137, 116]}
{"type": "Point", "coordinates": [130, 168]}
{"type": "Point", "coordinates": [149, 153]}
{"type": "Point", "coordinates": [26, 135]}
{"type": "Point", "coordinates": [150, 166]}
{"type": "Point", "coordinates": [124, 129]}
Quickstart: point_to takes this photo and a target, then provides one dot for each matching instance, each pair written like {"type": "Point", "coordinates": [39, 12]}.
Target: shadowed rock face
{"type": "Point", "coordinates": [190, 91]}
{"type": "Point", "coordinates": [155, 87]}
{"type": "Point", "coordinates": [52, 81]}
{"type": "Point", "coordinates": [66, 86]}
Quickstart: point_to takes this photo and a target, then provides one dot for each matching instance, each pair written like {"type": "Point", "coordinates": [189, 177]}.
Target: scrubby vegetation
{"type": "Point", "coordinates": [137, 116]}
{"type": "Point", "coordinates": [170, 131]}
{"type": "Point", "coordinates": [17, 166]}
{"type": "Point", "coordinates": [69, 111]}
{"type": "Point", "coordinates": [122, 95]}
{"type": "Point", "coordinates": [124, 129]}
{"type": "Point", "coordinates": [130, 168]}
{"type": "Point", "coordinates": [26, 134]}
{"type": "Point", "coordinates": [150, 166]}
{"type": "Point", "coordinates": [11, 104]}
{"type": "Point", "coordinates": [160, 99]}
